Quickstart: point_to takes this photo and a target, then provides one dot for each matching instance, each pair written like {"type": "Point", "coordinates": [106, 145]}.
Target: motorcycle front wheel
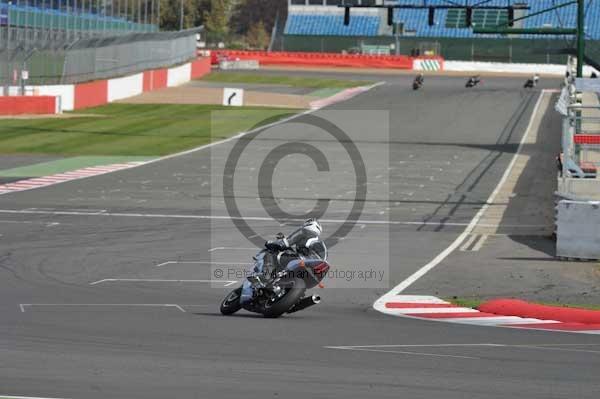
{"type": "Point", "coordinates": [277, 307]}
{"type": "Point", "coordinates": [231, 303]}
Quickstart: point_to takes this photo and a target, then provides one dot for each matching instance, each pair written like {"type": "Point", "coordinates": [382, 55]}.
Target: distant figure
{"type": "Point", "coordinates": [418, 82]}
{"type": "Point", "coordinates": [531, 83]}
{"type": "Point", "coordinates": [473, 81]}
{"type": "Point", "coordinates": [559, 165]}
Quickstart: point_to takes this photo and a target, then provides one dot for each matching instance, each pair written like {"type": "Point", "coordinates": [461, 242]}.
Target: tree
{"type": "Point", "coordinates": [170, 11]}
{"type": "Point", "coordinates": [247, 13]}
{"type": "Point", "coordinates": [216, 20]}
{"type": "Point", "coordinates": [257, 36]}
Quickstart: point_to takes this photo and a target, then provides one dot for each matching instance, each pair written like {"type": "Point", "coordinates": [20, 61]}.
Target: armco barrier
{"type": "Point", "coordinates": [20, 105]}
{"type": "Point", "coordinates": [316, 59]}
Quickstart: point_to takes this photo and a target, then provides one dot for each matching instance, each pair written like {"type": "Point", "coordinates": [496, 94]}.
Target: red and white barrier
{"type": "Point", "coordinates": [125, 87]}
{"type": "Point", "coordinates": [315, 59]}
{"type": "Point", "coordinates": [29, 105]}
{"type": "Point", "coordinates": [428, 64]}
{"type": "Point", "coordinates": [92, 94]}
{"type": "Point", "coordinates": [179, 75]}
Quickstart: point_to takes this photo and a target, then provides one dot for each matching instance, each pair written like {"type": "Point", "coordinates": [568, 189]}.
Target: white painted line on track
{"type": "Point", "coordinates": [468, 242]}
{"type": "Point", "coordinates": [351, 348]}
{"type": "Point", "coordinates": [253, 218]}
{"type": "Point", "coordinates": [547, 347]}
{"type": "Point", "coordinates": [23, 306]}
{"type": "Point", "coordinates": [479, 243]}
{"type": "Point", "coordinates": [226, 283]}
{"type": "Point", "coordinates": [25, 397]}
{"type": "Point", "coordinates": [459, 345]}
{"type": "Point", "coordinates": [409, 311]}
{"type": "Point", "coordinates": [172, 262]}
{"type": "Point", "coordinates": [232, 248]}
{"type": "Point", "coordinates": [380, 303]}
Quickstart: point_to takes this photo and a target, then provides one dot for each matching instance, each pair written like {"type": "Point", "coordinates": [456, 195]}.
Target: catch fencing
{"type": "Point", "coordinates": [513, 50]}
{"type": "Point", "coordinates": [46, 57]}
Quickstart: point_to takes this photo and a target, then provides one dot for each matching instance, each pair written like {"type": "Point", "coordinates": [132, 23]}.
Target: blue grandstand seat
{"type": "Point", "coordinates": [316, 23]}
{"type": "Point", "coordinates": [331, 25]}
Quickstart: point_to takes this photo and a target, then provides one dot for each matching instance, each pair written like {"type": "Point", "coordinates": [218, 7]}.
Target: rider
{"type": "Point", "coordinates": [420, 78]}
{"type": "Point", "coordinates": [305, 242]}
{"type": "Point", "coordinates": [474, 79]}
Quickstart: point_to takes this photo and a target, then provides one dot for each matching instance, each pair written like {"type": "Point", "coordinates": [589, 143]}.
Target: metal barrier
{"type": "Point", "coordinates": [514, 50]}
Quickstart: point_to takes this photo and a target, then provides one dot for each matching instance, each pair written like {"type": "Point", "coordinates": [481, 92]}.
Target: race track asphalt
{"type": "Point", "coordinates": [72, 328]}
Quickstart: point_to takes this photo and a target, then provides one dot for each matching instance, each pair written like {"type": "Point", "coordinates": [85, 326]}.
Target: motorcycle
{"type": "Point", "coordinates": [417, 83]}
{"type": "Point", "coordinates": [473, 81]}
{"type": "Point", "coordinates": [284, 292]}
{"type": "Point", "coordinates": [531, 83]}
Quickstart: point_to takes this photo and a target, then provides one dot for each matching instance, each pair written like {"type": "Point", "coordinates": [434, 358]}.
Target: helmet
{"type": "Point", "coordinates": [312, 228]}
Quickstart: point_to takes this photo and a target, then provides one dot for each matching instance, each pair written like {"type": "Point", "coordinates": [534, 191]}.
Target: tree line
{"type": "Point", "coordinates": [246, 23]}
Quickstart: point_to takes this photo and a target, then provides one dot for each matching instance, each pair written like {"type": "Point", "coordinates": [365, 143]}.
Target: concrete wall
{"type": "Point", "coordinates": [578, 229]}
{"type": "Point", "coordinates": [128, 86]}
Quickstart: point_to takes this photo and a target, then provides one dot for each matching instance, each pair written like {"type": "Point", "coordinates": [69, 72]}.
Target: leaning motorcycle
{"type": "Point", "coordinates": [285, 292]}
{"type": "Point", "coordinates": [472, 82]}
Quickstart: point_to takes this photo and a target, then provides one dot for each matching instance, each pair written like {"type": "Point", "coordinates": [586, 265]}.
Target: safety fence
{"type": "Point", "coordinates": [43, 57]}
{"type": "Point", "coordinates": [326, 59]}
{"type": "Point", "coordinates": [514, 50]}
{"type": "Point", "coordinates": [76, 17]}
{"type": "Point", "coordinates": [83, 95]}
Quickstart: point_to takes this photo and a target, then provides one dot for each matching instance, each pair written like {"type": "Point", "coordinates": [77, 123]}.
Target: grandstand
{"type": "Point", "coordinates": [321, 22]}
{"type": "Point", "coordinates": [85, 17]}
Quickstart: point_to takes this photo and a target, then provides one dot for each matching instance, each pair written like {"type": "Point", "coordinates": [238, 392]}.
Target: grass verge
{"type": "Point", "coordinates": [294, 81]}
{"type": "Point", "coordinates": [132, 129]}
{"type": "Point", "coordinates": [475, 302]}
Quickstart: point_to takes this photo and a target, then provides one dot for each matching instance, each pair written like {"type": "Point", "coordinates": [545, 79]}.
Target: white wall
{"type": "Point", "coordinates": [179, 75]}
{"type": "Point", "coordinates": [66, 94]}
{"type": "Point", "coordinates": [578, 229]}
{"type": "Point", "coordinates": [548, 69]}
{"type": "Point", "coordinates": [128, 86]}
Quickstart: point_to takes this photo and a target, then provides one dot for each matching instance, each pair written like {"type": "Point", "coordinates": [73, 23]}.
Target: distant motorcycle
{"type": "Point", "coordinates": [473, 81]}
{"type": "Point", "coordinates": [531, 83]}
{"type": "Point", "coordinates": [418, 82]}
{"type": "Point", "coordinates": [284, 293]}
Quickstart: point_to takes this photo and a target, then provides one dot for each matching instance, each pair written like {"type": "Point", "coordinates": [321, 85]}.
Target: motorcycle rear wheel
{"type": "Point", "coordinates": [231, 303]}
{"type": "Point", "coordinates": [284, 303]}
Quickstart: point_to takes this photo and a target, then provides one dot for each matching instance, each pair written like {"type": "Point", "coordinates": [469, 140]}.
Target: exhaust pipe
{"type": "Point", "coordinates": [305, 303]}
